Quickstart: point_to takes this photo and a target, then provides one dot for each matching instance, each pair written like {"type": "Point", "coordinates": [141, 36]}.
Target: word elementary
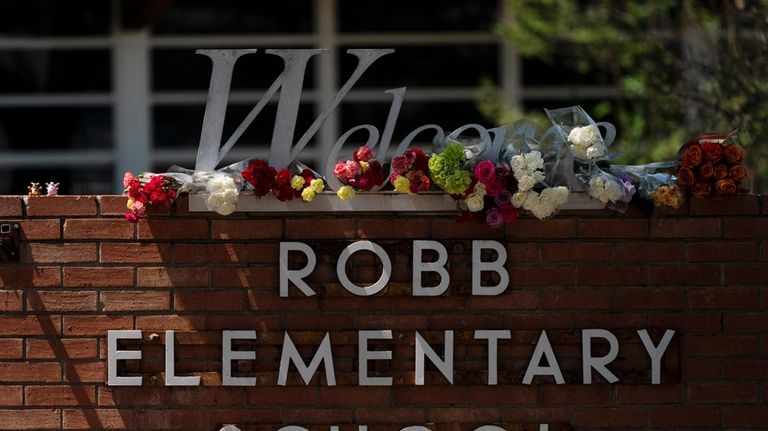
{"type": "Point", "coordinates": [424, 352]}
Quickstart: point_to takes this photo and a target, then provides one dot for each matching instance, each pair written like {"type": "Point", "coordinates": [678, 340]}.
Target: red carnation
{"type": "Point", "coordinates": [261, 176]}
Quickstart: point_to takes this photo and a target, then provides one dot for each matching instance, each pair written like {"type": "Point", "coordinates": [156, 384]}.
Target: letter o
{"type": "Point", "coordinates": [341, 268]}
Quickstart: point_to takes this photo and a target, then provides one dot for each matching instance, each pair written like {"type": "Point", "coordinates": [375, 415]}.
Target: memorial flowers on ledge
{"type": "Point", "coordinates": [710, 167]}
{"type": "Point", "coordinates": [362, 173]}
{"type": "Point", "coordinates": [489, 198]}
{"type": "Point", "coordinates": [306, 185]}
{"type": "Point", "coordinates": [410, 172]}
{"type": "Point", "coordinates": [223, 193]}
{"type": "Point", "coordinates": [260, 176]}
{"type": "Point", "coordinates": [446, 170]}
{"type": "Point", "coordinates": [148, 189]}
{"type": "Point", "coordinates": [528, 170]}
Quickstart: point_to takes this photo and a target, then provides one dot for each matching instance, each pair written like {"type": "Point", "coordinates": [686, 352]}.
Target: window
{"type": "Point", "coordinates": [88, 92]}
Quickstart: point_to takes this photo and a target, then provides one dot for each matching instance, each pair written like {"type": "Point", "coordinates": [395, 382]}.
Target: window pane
{"type": "Point", "coordinates": [71, 181]}
{"type": "Point", "coordinates": [51, 71]}
{"type": "Point", "coordinates": [182, 69]}
{"type": "Point", "coordinates": [54, 17]}
{"type": "Point", "coordinates": [421, 15]}
{"type": "Point", "coordinates": [179, 126]}
{"type": "Point", "coordinates": [432, 66]}
{"type": "Point", "coordinates": [55, 128]}
{"type": "Point", "coordinates": [235, 16]}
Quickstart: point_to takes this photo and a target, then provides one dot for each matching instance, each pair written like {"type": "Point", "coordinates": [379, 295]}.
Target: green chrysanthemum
{"type": "Point", "coordinates": [445, 170]}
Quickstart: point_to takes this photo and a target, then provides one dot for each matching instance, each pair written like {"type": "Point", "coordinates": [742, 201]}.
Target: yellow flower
{"type": "Point", "coordinates": [317, 185]}
{"type": "Point", "coordinates": [308, 194]}
{"type": "Point", "coordinates": [130, 203]}
{"type": "Point", "coordinates": [346, 193]}
{"type": "Point", "coordinates": [364, 165]}
{"type": "Point", "coordinates": [297, 182]}
{"type": "Point", "coordinates": [402, 184]}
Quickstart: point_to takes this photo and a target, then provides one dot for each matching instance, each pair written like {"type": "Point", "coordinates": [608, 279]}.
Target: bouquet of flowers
{"type": "Point", "coordinates": [148, 189]}
{"type": "Point", "coordinates": [306, 185]}
{"type": "Point", "coordinates": [605, 187]}
{"type": "Point", "coordinates": [223, 192]}
{"type": "Point", "coordinates": [528, 170]}
{"type": "Point", "coordinates": [580, 132]}
{"type": "Point", "coordinates": [360, 173]}
{"type": "Point", "coordinates": [410, 169]}
{"type": "Point", "coordinates": [446, 170]}
{"type": "Point", "coordinates": [284, 184]}
{"type": "Point", "coordinates": [260, 176]}
{"type": "Point", "coordinates": [489, 198]}
{"type": "Point", "coordinates": [708, 166]}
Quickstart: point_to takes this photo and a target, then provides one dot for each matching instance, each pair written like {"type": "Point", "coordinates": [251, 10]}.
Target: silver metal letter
{"type": "Point", "coordinates": [656, 352]}
{"type": "Point", "coordinates": [171, 379]}
{"type": "Point", "coordinates": [296, 275]}
{"type": "Point", "coordinates": [228, 355]}
{"type": "Point", "coordinates": [386, 268]}
{"type": "Point", "coordinates": [291, 354]}
{"type": "Point", "coordinates": [543, 348]}
{"type": "Point", "coordinates": [423, 349]}
{"type": "Point", "coordinates": [497, 266]}
{"type": "Point", "coordinates": [366, 355]}
{"type": "Point", "coordinates": [588, 362]}
{"type": "Point", "coordinates": [115, 355]}
{"type": "Point", "coordinates": [493, 337]}
{"type": "Point", "coordinates": [438, 266]}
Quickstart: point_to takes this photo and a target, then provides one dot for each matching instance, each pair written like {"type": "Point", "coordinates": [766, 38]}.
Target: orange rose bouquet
{"type": "Point", "coordinates": [709, 165]}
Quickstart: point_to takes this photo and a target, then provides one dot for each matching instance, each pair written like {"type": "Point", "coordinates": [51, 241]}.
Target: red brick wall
{"type": "Point", "coordinates": [701, 271]}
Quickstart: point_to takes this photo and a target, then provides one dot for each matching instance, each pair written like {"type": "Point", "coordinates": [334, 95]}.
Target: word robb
{"type": "Point", "coordinates": [423, 351]}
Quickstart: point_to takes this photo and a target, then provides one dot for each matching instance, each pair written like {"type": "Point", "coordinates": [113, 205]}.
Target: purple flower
{"type": "Point", "coordinates": [503, 198]}
{"type": "Point", "coordinates": [494, 218]}
{"type": "Point", "coordinates": [629, 191]}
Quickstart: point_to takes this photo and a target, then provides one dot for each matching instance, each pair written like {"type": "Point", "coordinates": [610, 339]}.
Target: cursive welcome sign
{"type": "Point", "coordinates": [283, 149]}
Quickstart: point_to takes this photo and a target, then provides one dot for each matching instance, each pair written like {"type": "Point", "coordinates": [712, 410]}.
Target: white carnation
{"type": "Point", "coordinates": [526, 183]}
{"type": "Point", "coordinates": [518, 199]}
{"type": "Point", "coordinates": [223, 194]}
{"type": "Point", "coordinates": [595, 151]}
{"type": "Point", "coordinates": [583, 136]}
{"type": "Point", "coordinates": [518, 163]}
{"type": "Point", "coordinates": [534, 161]}
{"type": "Point", "coordinates": [215, 199]}
{"type": "Point", "coordinates": [605, 190]}
{"type": "Point", "coordinates": [226, 208]}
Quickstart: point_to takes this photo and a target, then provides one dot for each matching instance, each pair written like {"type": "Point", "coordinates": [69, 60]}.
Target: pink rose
{"type": "Point", "coordinates": [485, 171]}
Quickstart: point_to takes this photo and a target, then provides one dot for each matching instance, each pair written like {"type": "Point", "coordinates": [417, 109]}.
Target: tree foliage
{"type": "Point", "coordinates": [678, 68]}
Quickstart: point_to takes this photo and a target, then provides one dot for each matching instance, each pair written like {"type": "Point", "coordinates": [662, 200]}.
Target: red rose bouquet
{"type": "Point", "coordinates": [148, 189]}
{"type": "Point", "coordinates": [708, 166]}
{"type": "Point", "coordinates": [409, 172]}
{"type": "Point", "coordinates": [360, 173]}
